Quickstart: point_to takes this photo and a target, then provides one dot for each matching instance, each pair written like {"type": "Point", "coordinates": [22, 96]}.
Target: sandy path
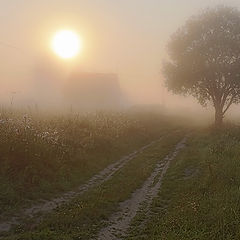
{"type": "Point", "coordinates": [121, 220]}
{"type": "Point", "coordinates": [45, 206]}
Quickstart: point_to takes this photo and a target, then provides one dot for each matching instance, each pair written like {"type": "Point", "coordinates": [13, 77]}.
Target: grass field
{"type": "Point", "coordinates": [200, 195]}
{"type": "Point", "coordinates": [45, 157]}
{"type": "Point", "coordinates": [41, 155]}
{"type": "Point", "coordinates": [83, 217]}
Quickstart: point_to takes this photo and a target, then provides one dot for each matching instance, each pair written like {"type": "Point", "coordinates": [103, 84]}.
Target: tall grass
{"type": "Point", "coordinates": [40, 155]}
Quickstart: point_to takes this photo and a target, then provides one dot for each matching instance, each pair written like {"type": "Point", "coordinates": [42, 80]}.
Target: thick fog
{"type": "Point", "coordinates": [124, 44]}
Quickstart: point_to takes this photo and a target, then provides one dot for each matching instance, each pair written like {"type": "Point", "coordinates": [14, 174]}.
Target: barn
{"type": "Point", "coordinates": [91, 91]}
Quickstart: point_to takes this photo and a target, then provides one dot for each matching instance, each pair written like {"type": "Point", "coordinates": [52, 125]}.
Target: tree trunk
{"type": "Point", "coordinates": [218, 117]}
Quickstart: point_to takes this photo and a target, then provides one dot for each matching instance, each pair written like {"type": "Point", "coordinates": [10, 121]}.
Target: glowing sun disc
{"type": "Point", "coordinates": [66, 44]}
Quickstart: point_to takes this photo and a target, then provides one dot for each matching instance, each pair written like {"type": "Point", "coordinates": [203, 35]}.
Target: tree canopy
{"type": "Point", "coordinates": [204, 59]}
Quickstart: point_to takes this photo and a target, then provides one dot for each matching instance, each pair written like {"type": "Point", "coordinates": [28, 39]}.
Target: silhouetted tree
{"type": "Point", "coordinates": [205, 59]}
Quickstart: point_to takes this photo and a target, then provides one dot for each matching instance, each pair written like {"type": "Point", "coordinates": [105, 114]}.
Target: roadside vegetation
{"type": "Point", "coordinates": [84, 216]}
{"type": "Point", "coordinates": [43, 155]}
{"type": "Point", "coordinates": [200, 196]}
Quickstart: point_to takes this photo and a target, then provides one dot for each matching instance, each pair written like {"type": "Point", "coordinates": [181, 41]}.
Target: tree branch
{"type": "Point", "coordinates": [230, 103]}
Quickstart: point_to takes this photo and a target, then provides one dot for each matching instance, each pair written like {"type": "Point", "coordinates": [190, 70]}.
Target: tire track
{"type": "Point", "coordinates": [121, 220]}
{"type": "Point", "coordinates": [46, 206]}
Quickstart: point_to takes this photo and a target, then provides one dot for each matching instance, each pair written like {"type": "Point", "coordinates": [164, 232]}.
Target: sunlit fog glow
{"type": "Point", "coordinates": [66, 44]}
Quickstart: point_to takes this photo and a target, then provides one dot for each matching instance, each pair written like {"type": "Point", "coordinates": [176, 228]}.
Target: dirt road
{"type": "Point", "coordinates": [119, 222]}
{"type": "Point", "coordinates": [43, 207]}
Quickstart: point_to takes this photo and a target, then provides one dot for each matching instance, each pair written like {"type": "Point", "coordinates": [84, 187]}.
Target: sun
{"type": "Point", "coordinates": [66, 44]}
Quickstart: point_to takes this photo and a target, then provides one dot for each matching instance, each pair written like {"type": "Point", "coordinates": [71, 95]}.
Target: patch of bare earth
{"type": "Point", "coordinates": [46, 206]}
{"type": "Point", "coordinates": [120, 221]}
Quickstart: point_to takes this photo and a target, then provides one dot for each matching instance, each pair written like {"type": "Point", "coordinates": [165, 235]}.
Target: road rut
{"type": "Point", "coordinates": [120, 221]}
{"type": "Point", "coordinates": [46, 206]}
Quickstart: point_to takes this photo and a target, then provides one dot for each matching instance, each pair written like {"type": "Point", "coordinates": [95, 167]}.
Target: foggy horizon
{"type": "Point", "coordinates": [119, 119]}
{"type": "Point", "coordinates": [121, 37]}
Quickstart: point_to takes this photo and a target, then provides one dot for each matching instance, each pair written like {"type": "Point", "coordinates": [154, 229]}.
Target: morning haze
{"type": "Point", "coordinates": [119, 119]}
{"type": "Point", "coordinates": [124, 37]}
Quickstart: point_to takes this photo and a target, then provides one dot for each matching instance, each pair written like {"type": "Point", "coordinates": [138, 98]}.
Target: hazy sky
{"type": "Point", "coordinates": [123, 36]}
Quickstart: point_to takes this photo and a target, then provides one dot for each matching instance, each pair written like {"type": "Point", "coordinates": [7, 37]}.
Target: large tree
{"type": "Point", "coordinates": [204, 59]}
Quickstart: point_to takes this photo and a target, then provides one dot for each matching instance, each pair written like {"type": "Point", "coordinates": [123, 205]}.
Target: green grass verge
{"type": "Point", "coordinates": [200, 195]}
{"type": "Point", "coordinates": [83, 217]}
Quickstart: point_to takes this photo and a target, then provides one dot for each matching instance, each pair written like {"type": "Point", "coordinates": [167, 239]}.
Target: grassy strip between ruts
{"type": "Point", "coordinates": [200, 196]}
{"type": "Point", "coordinates": [83, 217]}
